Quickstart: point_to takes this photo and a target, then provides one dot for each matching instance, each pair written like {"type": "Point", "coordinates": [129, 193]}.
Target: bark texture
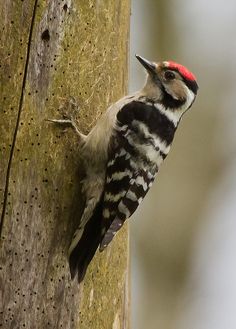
{"type": "Point", "coordinates": [51, 51]}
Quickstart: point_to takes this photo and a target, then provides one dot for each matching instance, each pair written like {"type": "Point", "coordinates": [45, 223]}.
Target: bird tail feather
{"type": "Point", "coordinates": [82, 254]}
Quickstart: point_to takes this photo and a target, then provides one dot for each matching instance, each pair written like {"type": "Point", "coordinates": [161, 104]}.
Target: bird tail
{"type": "Point", "coordinates": [83, 252]}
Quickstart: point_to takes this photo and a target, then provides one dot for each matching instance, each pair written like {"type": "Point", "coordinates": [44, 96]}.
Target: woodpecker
{"type": "Point", "coordinates": [122, 155]}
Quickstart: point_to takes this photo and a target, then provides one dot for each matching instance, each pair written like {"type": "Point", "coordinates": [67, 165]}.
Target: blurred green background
{"type": "Point", "coordinates": [183, 236]}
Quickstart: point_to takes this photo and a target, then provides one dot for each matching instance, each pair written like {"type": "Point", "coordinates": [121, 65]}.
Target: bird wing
{"type": "Point", "coordinates": [127, 182]}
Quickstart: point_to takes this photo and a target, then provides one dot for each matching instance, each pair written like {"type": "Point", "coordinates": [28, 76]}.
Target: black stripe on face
{"type": "Point", "coordinates": [156, 122]}
{"type": "Point", "coordinates": [169, 102]}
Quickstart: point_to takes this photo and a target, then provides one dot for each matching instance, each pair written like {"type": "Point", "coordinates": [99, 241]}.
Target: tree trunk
{"type": "Point", "coordinates": [51, 51]}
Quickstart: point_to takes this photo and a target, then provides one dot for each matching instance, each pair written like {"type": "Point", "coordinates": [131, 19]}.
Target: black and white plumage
{"type": "Point", "coordinates": [122, 155]}
{"type": "Point", "coordinates": [141, 142]}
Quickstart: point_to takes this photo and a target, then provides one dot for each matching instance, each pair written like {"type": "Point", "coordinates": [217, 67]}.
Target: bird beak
{"type": "Point", "coordinates": [149, 66]}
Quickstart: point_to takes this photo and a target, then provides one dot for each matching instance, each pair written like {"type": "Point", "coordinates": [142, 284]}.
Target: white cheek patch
{"type": "Point", "coordinates": [175, 115]}
{"type": "Point", "coordinates": [169, 91]}
{"type": "Point", "coordinates": [189, 99]}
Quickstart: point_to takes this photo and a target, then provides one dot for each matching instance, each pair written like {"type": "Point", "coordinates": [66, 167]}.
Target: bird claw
{"type": "Point", "coordinates": [68, 112]}
{"type": "Point", "coordinates": [61, 121]}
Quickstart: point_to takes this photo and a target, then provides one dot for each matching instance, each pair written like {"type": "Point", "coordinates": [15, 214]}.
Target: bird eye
{"type": "Point", "coordinates": [169, 75]}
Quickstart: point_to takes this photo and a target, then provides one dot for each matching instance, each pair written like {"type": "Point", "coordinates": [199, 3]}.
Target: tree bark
{"type": "Point", "coordinates": [51, 51]}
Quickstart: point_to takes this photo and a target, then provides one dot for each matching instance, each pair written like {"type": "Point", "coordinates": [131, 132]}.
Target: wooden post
{"type": "Point", "coordinates": [51, 51]}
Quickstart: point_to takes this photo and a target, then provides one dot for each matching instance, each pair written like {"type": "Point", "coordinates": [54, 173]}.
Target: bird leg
{"type": "Point", "coordinates": [69, 110]}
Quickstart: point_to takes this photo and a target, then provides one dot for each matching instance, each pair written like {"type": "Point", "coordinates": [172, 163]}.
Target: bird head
{"type": "Point", "coordinates": [170, 84]}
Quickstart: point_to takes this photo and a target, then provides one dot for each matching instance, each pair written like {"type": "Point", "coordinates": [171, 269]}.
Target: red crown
{"type": "Point", "coordinates": [182, 70]}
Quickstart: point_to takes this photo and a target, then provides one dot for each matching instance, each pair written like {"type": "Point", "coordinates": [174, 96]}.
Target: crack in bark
{"type": "Point", "coordinates": [18, 119]}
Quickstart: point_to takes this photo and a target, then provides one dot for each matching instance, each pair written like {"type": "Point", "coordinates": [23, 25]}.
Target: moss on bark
{"type": "Point", "coordinates": [51, 51]}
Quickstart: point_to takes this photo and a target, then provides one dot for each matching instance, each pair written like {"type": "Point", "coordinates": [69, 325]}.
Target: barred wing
{"type": "Point", "coordinates": [127, 183]}
{"type": "Point", "coordinates": [142, 141]}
